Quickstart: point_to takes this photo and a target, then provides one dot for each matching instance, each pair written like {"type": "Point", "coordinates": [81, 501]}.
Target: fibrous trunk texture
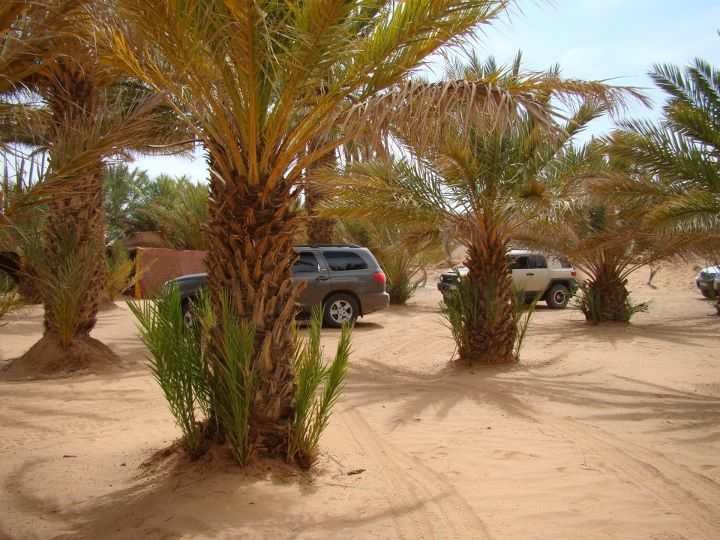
{"type": "Point", "coordinates": [320, 230]}
{"type": "Point", "coordinates": [78, 219]}
{"type": "Point", "coordinates": [75, 225]}
{"type": "Point", "coordinates": [492, 334]}
{"type": "Point", "coordinates": [610, 296]}
{"type": "Point", "coordinates": [250, 257]}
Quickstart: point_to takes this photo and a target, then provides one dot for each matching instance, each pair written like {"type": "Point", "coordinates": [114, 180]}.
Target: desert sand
{"type": "Point", "coordinates": [608, 431]}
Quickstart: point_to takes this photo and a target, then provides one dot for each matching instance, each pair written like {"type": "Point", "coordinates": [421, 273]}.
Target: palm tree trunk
{"type": "Point", "coordinates": [492, 330]}
{"type": "Point", "coordinates": [610, 294]}
{"type": "Point", "coordinates": [320, 230]}
{"type": "Point", "coordinates": [78, 220]}
{"type": "Point", "coordinates": [75, 227]}
{"type": "Point", "coordinates": [250, 257]}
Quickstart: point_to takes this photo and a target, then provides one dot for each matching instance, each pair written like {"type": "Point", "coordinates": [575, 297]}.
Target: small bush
{"type": "Point", "coordinates": [313, 408]}
{"type": "Point", "coordinates": [595, 309]}
{"type": "Point", "coordinates": [461, 311]}
{"type": "Point", "coordinates": [234, 380]}
{"type": "Point", "coordinates": [522, 312]}
{"type": "Point", "coordinates": [212, 393]}
{"type": "Point", "coordinates": [9, 296]}
{"type": "Point", "coordinates": [405, 273]}
{"type": "Point", "coordinates": [177, 363]}
{"type": "Point", "coordinates": [119, 268]}
{"type": "Point", "coordinates": [63, 286]}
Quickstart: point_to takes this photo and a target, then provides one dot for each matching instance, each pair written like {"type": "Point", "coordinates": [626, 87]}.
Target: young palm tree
{"type": "Point", "coordinates": [679, 156]}
{"type": "Point", "coordinates": [477, 184]}
{"type": "Point", "coordinates": [259, 82]}
{"type": "Point", "coordinates": [606, 240]}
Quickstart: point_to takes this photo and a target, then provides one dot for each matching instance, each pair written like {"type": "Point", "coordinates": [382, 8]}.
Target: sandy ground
{"type": "Point", "coordinates": [606, 431]}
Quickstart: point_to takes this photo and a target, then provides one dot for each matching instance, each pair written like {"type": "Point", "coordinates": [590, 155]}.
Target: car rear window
{"type": "Point", "coordinates": [343, 261]}
{"type": "Point", "coordinates": [519, 263]}
{"type": "Point", "coordinates": [537, 261]}
{"type": "Point", "coordinates": [306, 263]}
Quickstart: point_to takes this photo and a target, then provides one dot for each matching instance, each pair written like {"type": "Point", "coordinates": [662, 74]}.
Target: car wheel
{"type": "Point", "coordinates": [557, 297]}
{"type": "Point", "coordinates": [340, 308]}
{"type": "Point", "coordinates": [705, 292]}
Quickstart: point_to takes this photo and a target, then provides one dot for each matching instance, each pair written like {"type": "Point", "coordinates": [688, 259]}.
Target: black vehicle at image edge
{"type": "Point", "coordinates": [345, 280]}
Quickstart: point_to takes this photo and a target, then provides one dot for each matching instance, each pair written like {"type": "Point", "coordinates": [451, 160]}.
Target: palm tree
{"type": "Point", "coordinates": [679, 155]}
{"type": "Point", "coordinates": [259, 82]}
{"type": "Point", "coordinates": [123, 198]}
{"type": "Point", "coordinates": [478, 184]}
{"type": "Point", "coordinates": [63, 100]}
{"type": "Point", "coordinates": [606, 240]}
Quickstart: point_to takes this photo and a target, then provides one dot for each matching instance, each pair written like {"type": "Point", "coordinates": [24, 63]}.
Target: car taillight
{"type": "Point", "coordinates": [573, 273]}
{"type": "Point", "coordinates": [379, 276]}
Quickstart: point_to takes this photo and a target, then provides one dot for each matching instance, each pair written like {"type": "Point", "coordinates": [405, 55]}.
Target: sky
{"type": "Point", "coordinates": [617, 41]}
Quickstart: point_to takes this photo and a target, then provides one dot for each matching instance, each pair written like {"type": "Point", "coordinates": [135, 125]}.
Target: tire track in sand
{"type": "Point", "coordinates": [422, 503]}
{"type": "Point", "coordinates": [682, 491]}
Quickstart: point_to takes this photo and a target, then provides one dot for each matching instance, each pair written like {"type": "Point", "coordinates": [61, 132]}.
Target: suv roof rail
{"type": "Point", "coordinates": [328, 245]}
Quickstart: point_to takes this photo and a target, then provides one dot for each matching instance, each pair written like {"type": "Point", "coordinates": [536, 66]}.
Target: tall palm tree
{"type": "Point", "coordinates": [259, 81]}
{"type": "Point", "coordinates": [63, 100]}
{"type": "Point", "coordinates": [478, 184]}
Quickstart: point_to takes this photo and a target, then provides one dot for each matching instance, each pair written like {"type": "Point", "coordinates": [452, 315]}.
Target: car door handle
{"type": "Point", "coordinates": [530, 274]}
{"type": "Point", "coordinates": [322, 278]}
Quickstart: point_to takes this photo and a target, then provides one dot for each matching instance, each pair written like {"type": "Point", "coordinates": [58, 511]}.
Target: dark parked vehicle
{"type": "Point", "coordinates": [345, 280]}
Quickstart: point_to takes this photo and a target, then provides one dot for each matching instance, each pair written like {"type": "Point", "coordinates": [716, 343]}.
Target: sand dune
{"type": "Point", "coordinates": [605, 431]}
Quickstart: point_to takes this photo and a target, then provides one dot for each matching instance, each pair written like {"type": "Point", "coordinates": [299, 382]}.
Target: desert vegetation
{"type": "Point", "coordinates": [317, 122]}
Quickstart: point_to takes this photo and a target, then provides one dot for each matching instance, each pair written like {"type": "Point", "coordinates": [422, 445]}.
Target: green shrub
{"type": "Point", "coordinates": [460, 310]}
{"type": "Point", "coordinates": [219, 388]}
{"type": "Point", "coordinates": [177, 363]}
{"type": "Point", "coordinates": [119, 271]}
{"type": "Point", "coordinates": [63, 287]}
{"type": "Point", "coordinates": [9, 296]}
{"type": "Point", "coordinates": [522, 312]}
{"type": "Point", "coordinates": [234, 380]}
{"type": "Point", "coordinates": [405, 273]}
{"type": "Point", "coordinates": [594, 309]}
{"type": "Point", "coordinates": [313, 408]}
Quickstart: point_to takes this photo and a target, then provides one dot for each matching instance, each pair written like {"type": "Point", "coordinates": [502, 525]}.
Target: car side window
{"type": "Point", "coordinates": [537, 261]}
{"type": "Point", "coordinates": [343, 261]}
{"type": "Point", "coordinates": [519, 263]}
{"type": "Point", "coordinates": [305, 264]}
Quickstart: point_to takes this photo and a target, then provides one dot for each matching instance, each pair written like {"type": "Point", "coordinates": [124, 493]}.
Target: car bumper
{"type": "Point", "coordinates": [446, 288]}
{"type": "Point", "coordinates": [375, 302]}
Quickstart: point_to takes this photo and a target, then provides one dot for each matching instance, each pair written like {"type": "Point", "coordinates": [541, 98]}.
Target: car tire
{"type": "Point", "coordinates": [705, 292]}
{"type": "Point", "coordinates": [340, 308]}
{"type": "Point", "coordinates": [557, 297]}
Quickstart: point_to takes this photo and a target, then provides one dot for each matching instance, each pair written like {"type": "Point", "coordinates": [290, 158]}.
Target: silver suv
{"type": "Point", "coordinates": [548, 278]}
{"type": "Point", "coordinates": [345, 280]}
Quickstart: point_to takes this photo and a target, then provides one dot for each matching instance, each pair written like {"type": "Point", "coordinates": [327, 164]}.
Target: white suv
{"type": "Point", "coordinates": [548, 278]}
